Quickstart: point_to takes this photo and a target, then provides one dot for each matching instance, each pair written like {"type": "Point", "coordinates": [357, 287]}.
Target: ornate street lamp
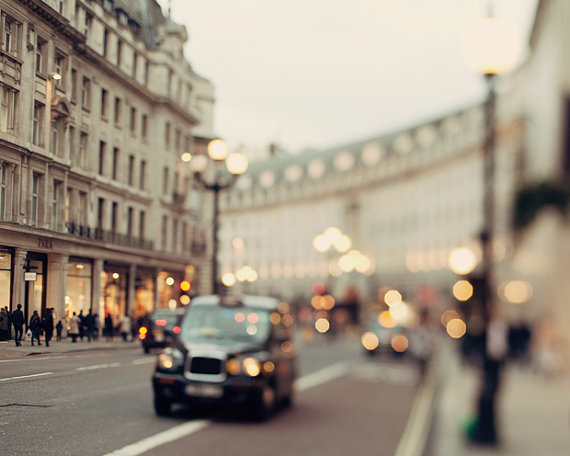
{"type": "Point", "coordinates": [216, 181]}
{"type": "Point", "coordinates": [491, 47]}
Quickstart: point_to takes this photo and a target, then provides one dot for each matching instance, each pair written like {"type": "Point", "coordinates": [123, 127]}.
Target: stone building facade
{"type": "Point", "coordinates": [97, 210]}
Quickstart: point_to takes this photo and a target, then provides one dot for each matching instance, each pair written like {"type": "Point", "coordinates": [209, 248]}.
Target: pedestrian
{"type": "Point", "coordinates": [422, 342]}
{"type": "Point", "coordinates": [82, 324]}
{"type": "Point", "coordinates": [97, 330]}
{"type": "Point", "coordinates": [126, 327]}
{"type": "Point", "coordinates": [90, 325]}
{"type": "Point", "coordinates": [35, 327]}
{"type": "Point", "coordinates": [109, 327]}
{"type": "Point", "coordinates": [59, 330]}
{"type": "Point", "coordinates": [18, 321]}
{"type": "Point", "coordinates": [47, 325]}
{"type": "Point", "coordinates": [4, 324]}
{"type": "Point", "coordinates": [9, 323]}
{"type": "Point", "coordinates": [74, 323]}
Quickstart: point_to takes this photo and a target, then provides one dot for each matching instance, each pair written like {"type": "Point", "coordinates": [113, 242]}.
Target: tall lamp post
{"type": "Point", "coordinates": [492, 48]}
{"type": "Point", "coordinates": [216, 181]}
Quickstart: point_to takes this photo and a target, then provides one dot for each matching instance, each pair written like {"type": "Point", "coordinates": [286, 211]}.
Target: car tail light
{"type": "Point", "coordinates": [176, 330]}
{"type": "Point", "coordinates": [160, 322]}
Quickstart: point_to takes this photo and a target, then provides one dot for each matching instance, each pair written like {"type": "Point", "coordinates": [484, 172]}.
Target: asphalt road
{"type": "Point", "coordinates": [100, 403]}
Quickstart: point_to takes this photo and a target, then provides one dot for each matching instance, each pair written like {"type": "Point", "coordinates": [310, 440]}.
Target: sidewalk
{"type": "Point", "coordinates": [533, 411]}
{"type": "Point", "coordinates": [9, 350]}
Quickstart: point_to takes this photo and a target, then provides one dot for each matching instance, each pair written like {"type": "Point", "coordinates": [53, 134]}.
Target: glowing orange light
{"type": "Point", "coordinates": [400, 343]}
{"type": "Point", "coordinates": [143, 330]}
{"type": "Point", "coordinates": [185, 285]}
{"type": "Point", "coordinates": [456, 328]}
{"type": "Point", "coordinates": [386, 319]}
{"type": "Point", "coordinates": [369, 341]}
{"type": "Point", "coordinates": [142, 336]}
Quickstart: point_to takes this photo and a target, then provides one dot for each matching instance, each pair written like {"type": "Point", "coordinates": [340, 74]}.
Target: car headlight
{"type": "Point", "coordinates": [169, 359]}
{"type": "Point", "coordinates": [247, 366]}
{"type": "Point", "coordinates": [251, 367]}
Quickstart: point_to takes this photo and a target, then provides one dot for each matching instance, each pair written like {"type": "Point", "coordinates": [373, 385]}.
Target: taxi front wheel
{"type": "Point", "coordinates": [162, 406]}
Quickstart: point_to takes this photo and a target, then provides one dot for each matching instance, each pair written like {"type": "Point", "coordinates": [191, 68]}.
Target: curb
{"type": "Point", "coordinates": [415, 436]}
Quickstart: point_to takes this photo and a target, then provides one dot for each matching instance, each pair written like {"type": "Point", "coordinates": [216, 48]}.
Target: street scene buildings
{"type": "Point", "coordinates": [98, 211]}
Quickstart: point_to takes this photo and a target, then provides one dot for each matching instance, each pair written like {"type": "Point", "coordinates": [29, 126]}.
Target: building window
{"type": "Point", "coordinates": [86, 93]}
{"type": "Point", "coordinates": [38, 124]}
{"type": "Point", "coordinates": [60, 64]}
{"type": "Point", "coordinates": [117, 111]}
{"type": "Point", "coordinates": [114, 216]}
{"type": "Point", "coordinates": [104, 103]}
{"type": "Point", "coordinates": [61, 7]}
{"type": "Point", "coordinates": [133, 120]}
{"type": "Point", "coordinates": [83, 144]}
{"type": "Point", "coordinates": [142, 177]}
{"type": "Point", "coordinates": [144, 126]}
{"type": "Point", "coordinates": [73, 85]}
{"type": "Point", "coordinates": [56, 198]}
{"type": "Point", "coordinates": [167, 134]}
{"type": "Point", "coordinates": [55, 146]}
{"type": "Point", "coordinates": [34, 215]}
{"type": "Point", "coordinates": [87, 25]}
{"type": "Point", "coordinates": [174, 235]}
{"type": "Point", "coordinates": [7, 108]}
{"type": "Point", "coordinates": [135, 64]}
{"type": "Point", "coordinates": [41, 53]}
{"type": "Point", "coordinates": [131, 173]}
{"type": "Point", "coordinates": [146, 72]}
{"type": "Point", "coordinates": [142, 225]}
{"type": "Point", "coordinates": [11, 35]}
{"type": "Point", "coordinates": [83, 208]}
{"type": "Point", "coordinates": [105, 42]}
{"type": "Point", "coordinates": [100, 213]}
{"type": "Point", "coordinates": [177, 140]}
{"type": "Point", "coordinates": [165, 173]}
{"type": "Point", "coordinates": [130, 214]}
{"type": "Point", "coordinates": [115, 163]}
{"type": "Point", "coordinates": [102, 147]}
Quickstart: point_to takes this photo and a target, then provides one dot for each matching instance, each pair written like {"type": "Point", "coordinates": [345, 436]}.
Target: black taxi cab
{"type": "Point", "coordinates": [231, 351]}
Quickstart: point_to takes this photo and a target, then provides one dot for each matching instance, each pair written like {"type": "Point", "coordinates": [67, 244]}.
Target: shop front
{"type": "Point", "coordinates": [34, 284]}
{"type": "Point", "coordinates": [6, 278]}
{"type": "Point", "coordinates": [79, 288]}
{"type": "Point", "coordinates": [144, 301]}
{"type": "Point", "coordinates": [114, 291]}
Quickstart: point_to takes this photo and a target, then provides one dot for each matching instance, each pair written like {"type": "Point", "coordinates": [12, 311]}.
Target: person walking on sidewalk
{"type": "Point", "coordinates": [90, 325]}
{"type": "Point", "coordinates": [4, 324]}
{"type": "Point", "coordinates": [58, 330]}
{"type": "Point", "coordinates": [74, 323]}
{"type": "Point", "coordinates": [35, 327]}
{"type": "Point", "coordinates": [18, 321]}
{"type": "Point", "coordinates": [126, 328]}
{"type": "Point", "coordinates": [109, 327]}
{"type": "Point", "coordinates": [47, 325]}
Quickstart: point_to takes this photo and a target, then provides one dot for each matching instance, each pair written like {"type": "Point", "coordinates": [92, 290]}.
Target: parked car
{"type": "Point", "coordinates": [230, 352]}
{"type": "Point", "coordinates": [389, 339]}
{"type": "Point", "coordinates": [159, 328]}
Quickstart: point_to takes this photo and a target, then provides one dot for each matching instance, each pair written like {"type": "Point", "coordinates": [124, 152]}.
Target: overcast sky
{"type": "Point", "coordinates": [319, 73]}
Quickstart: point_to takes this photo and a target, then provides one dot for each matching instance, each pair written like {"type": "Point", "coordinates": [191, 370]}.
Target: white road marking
{"type": "Point", "coordinates": [161, 438]}
{"type": "Point", "coordinates": [35, 359]}
{"type": "Point", "coordinates": [98, 366]}
{"type": "Point", "coordinates": [322, 376]}
{"type": "Point", "coordinates": [144, 361]}
{"type": "Point", "coordinates": [25, 376]}
{"type": "Point", "coordinates": [183, 430]}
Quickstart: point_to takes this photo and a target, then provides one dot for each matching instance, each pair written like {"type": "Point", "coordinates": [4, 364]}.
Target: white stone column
{"type": "Point", "coordinates": [18, 291]}
{"type": "Point", "coordinates": [96, 291]}
{"type": "Point", "coordinates": [57, 283]}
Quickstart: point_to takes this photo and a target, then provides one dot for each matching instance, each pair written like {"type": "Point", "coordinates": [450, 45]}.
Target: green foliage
{"type": "Point", "coordinates": [531, 199]}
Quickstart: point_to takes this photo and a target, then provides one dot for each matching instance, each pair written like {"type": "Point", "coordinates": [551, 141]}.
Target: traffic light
{"type": "Point", "coordinates": [185, 287]}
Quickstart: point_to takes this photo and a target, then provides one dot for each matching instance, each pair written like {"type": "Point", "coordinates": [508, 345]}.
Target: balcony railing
{"type": "Point", "coordinates": [97, 234]}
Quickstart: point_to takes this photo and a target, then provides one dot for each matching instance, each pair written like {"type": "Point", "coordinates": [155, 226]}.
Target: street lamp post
{"type": "Point", "coordinates": [492, 48]}
{"type": "Point", "coordinates": [236, 163]}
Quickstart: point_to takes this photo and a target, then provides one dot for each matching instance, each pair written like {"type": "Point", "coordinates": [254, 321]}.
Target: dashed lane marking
{"type": "Point", "coordinates": [25, 376]}
{"type": "Point", "coordinates": [144, 361]}
{"type": "Point", "coordinates": [98, 366]}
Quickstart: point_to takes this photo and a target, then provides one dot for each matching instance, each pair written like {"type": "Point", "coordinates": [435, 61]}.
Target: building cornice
{"type": "Point", "coordinates": [56, 20]}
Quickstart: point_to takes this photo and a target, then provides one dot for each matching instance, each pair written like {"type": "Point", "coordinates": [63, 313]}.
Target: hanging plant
{"type": "Point", "coordinates": [531, 199]}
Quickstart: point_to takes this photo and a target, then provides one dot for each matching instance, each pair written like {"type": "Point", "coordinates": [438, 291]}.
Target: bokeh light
{"type": "Point", "coordinates": [456, 328]}
{"type": "Point", "coordinates": [369, 341]}
{"type": "Point", "coordinates": [322, 325]}
{"type": "Point", "coordinates": [392, 296]}
{"type": "Point", "coordinates": [462, 260]}
{"type": "Point", "coordinates": [462, 290]}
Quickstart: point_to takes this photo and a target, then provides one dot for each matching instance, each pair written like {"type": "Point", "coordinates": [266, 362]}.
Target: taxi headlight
{"type": "Point", "coordinates": [169, 359]}
{"type": "Point", "coordinates": [233, 367]}
{"type": "Point", "coordinates": [251, 367]}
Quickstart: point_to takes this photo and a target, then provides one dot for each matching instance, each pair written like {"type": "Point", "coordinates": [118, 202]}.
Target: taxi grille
{"type": "Point", "coordinates": [201, 365]}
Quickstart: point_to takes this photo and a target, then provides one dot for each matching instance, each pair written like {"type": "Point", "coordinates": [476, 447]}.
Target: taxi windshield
{"type": "Point", "coordinates": [213, 322]}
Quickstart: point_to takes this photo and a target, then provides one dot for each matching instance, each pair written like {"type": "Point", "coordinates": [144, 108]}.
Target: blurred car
{"type": "Point", "coordinates": [230, 352]}
{"type": "Point", "coordinates": [386, 338]}
{"type": "Point", "coordinates": [159, 328]}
